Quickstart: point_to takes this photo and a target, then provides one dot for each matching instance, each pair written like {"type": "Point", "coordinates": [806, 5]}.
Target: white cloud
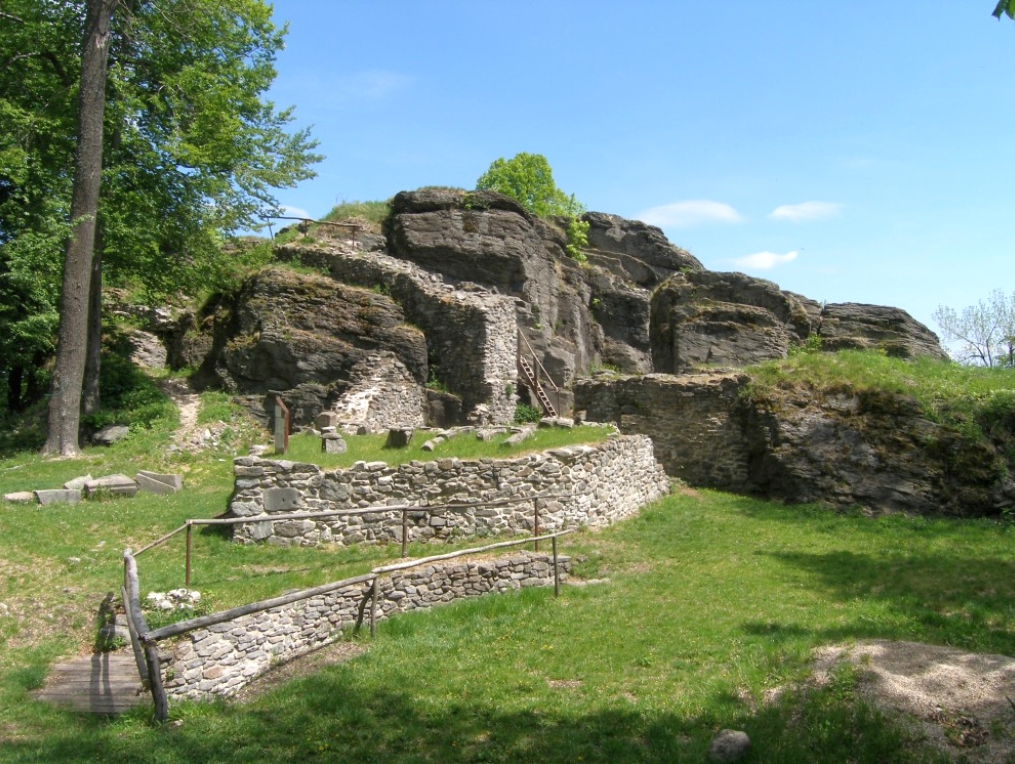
{"type": "Point", "coordinates": [806, 211]}
{"type": "Point", "coordinates": [763, 261]}
{"type": "Point", "coordinates": [295, 212]}
{"type": "Point", "coordinates": [690, 213]}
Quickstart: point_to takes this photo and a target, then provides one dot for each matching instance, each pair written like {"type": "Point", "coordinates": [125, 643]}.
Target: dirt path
{"type": "Point", "coordinates": [187, 402]}
{"type": "Point", "coordinates": [962, 703]}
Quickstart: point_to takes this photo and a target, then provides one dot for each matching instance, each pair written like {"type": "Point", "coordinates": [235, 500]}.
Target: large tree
{"type": "Point", "coordinates": [65, 399]}
{"type": "Point", "coordinates": [192, 151]}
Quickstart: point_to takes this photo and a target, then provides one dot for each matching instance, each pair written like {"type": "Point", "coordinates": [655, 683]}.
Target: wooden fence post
{"type": "Point", "coordinates": [281, 427]}
{"type": "Point", "coordinates": [190, 527]}
{"type": "Point", "coordinates": [373, 608]}
{"type": "Point", "coordinates": [556, 570]}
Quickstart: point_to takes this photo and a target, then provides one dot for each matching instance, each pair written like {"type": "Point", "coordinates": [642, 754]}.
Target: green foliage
{"type": "Point", "coordinates": [193, 151]}
{"type": "Point", "coordinates": [528, 179]}
{"type": "Point", "coordinates": [974, 399]}
{"type": "Point", "coordinates": [985, 332]}
{"type": "Point", "coordinates": [813, 344]}
{"type": "Point", "coordinates": [370, 212]}
{"type": "Point", "coordinates": [1006, 7]}
{"type": "Point", "coordinates": [524, 413]}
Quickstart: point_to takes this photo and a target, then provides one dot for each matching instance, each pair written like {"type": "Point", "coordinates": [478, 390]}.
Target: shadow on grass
{"type": "Point", "coordinates": [329, 718]}
{"type": "Point", "coordinates": [949, 598]}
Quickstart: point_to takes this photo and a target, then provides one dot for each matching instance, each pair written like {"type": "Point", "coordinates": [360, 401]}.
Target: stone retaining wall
{"type": "Point", "coordinates": [590, 485]}
{"type": "Point", "coordinates": [223, 658]}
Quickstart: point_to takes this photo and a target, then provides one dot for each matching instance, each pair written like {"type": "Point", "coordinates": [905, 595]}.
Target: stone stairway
{"type": "Point", "coordinates": [105, 684]}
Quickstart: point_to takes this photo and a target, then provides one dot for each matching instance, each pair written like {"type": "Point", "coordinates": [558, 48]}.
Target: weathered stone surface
{"type": "Point", "coordinates": [399, 437]}
{"type": "Point", "coordinates": [58, 495]}
{"type": "Point", "coordinates": [110, 434]}
{"type": "Point", "coordinates": [332, 443]}
{"type": "Point", "coordinates": [595, 485]}
{"type": "Point", "coordinates": [634, 250]}
{"type": "Point", "coordinates": [155, 482]}
{"type": "Point", "coordinates": [729, 319]}
{"type": "Point", "coordinates": [285, 331]}
{"type": "Point", "coordinates": [852, 325]}
{"type": "Point", "coordinates": [118, 485]}
{"type": "Point", "coordinates": [851, 448]}
{"type": "Point", "coordinates": [78, 483]}
{"type": "Point", "coordinates": [20, 497]}
{"type": "Point", "coordinates": [147, 350]}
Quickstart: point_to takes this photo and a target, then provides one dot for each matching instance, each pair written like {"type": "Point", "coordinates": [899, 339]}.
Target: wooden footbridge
{"type": "Point", "coordinates": [106, 684]}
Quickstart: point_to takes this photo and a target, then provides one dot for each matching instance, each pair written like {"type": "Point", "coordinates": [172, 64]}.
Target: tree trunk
{"type": "Point", "coordinates": [65, 394]}
{"type": "Point", "coordinates": [90, 393]}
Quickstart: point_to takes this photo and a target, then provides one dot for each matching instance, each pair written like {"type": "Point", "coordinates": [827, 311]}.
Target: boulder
{"type": "Point", "coordinates": [635, 251]}
{"type": "Point", "coordinates": [729, 746]}
{"type": "Point", "coordinates": [110, 434]}
{"type": "Point", "coordinates": [303, 335]}
{"type": "Point", "coordinates": [708, 318]}
{"type": "Point", "coordinates": [21, 497]}
{"type": "Point", "coordinates": [853, 325]}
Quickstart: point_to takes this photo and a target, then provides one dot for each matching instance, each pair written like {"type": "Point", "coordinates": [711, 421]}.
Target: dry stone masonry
{"type": "Point", "coordinates": [223, 658]}
{"type": "Point", "coordinates": [589, 485]}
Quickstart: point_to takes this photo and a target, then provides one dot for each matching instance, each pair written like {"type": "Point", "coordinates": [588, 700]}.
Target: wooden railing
{"type": "Point", "coordinates": [144, 641]}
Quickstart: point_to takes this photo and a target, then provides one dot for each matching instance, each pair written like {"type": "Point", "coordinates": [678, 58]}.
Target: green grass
{"type": "Point", "coordinates": [712, 599]}
{"type": "Point", "coordinates": [370, 448]}
{"type": "Point", "coordinates": [370, 212]}
{"type": "Point", "coordinates": [946, 392]}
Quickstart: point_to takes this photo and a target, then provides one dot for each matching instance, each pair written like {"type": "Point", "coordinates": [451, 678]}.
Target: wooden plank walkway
{"type": "Point", "coordinates": [106, 684]}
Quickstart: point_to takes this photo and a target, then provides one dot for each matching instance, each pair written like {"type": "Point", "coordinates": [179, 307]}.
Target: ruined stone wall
{"type": "Point", "coordinates": [692, 421]}
{"type": "Point", "coordinates": [221, 659]}
{"type": "Point", "coordinates": [471, 334]}
{"type": "Point", "coordinates": [591, 485]}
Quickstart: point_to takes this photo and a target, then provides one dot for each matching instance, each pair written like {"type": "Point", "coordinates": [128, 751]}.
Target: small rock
{"type": "Point", "coordinates": [109, 435]}
{"type": "Point", "coordinates": [20, 496]}
{"type": "Point", "coordinates": [77, 483]}
{"type": "Point", "coordinates": [729, 746]}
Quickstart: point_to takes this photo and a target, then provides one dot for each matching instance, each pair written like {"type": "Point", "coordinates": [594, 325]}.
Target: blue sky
{"type": "Point", "coordinates": [850, 152]}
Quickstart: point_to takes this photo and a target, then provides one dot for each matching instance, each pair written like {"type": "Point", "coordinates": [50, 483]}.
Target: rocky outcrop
{"type": "Point", "coordinates": [306, 336]}
{"type": "Point", "coordinates": [852, 325]}
{"type": "Point", "coordinates": [702, 318]}
{"type": "Point", "coordinates": [635, 251]}
{"type": "Point", "coordinates": [847, 447]}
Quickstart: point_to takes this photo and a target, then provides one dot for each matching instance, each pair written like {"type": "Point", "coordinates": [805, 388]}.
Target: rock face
{"type": "Point", "coordinates": [463, 287]}
{"type": "Point", "coordinates": [306, 335]}
{"type": "Point", "coordinates": [846, 447]}
{"type": "Point", "coordinates": [729, 319]}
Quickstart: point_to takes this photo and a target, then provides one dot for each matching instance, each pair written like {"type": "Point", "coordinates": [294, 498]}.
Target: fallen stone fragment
{"type": "Point", "coordinates": [118, 485]}
{"type": "Point", "coordinates": [153, 482]}
{"type": "Point", "coordinates": [20, 496]}
{"type": "Point", "coordinates": [78, 483]}
{"type": "Point", "coordinates": [399, 437]}
{"type": "Point", "coordinates": [58, 495]}
{"type": "Point", "coordinates": [431, 444]}
{"type": "Point", "coordinates": [518, 437]}
{"type": "Point", "coordinates": [332, 443]}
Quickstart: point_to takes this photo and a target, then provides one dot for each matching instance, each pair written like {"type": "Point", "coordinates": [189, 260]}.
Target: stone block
{"type": "Point", "coordinates": [332, 443]}
{"type": "Point", "coordinates": [58, 495]}
{"type": "Point", "coordinates": [154, 482]}
{"type": "Point", "coordinates": [20, 496]}
{"type": "Point", "coordinates": [281, 499]}
{"type": "Point", "coordinates": [399, 437]}
{"type": "Point", "coordinates": [326, 419]}
{"type": "Point", "coordinates": [118, 485]}
{"type": "Point", "coordinates": [77, 483]}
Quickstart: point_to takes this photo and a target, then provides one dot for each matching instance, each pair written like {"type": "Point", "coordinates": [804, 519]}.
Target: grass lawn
{"type": "Point", "coordinates": [711, 601]}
